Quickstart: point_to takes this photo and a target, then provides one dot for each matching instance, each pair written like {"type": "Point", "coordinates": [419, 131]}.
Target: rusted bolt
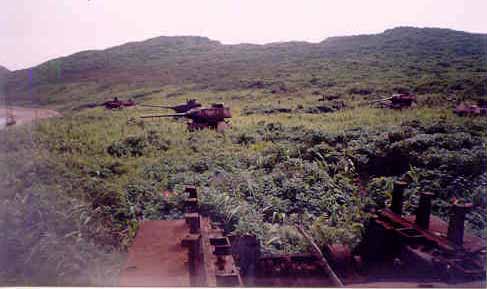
{"type": "Point", "coordinates": [456, 225]}
{"type": "Point", "coordinates": [397, 196]}
{"type": "Point", "coordinates": [424, 210]}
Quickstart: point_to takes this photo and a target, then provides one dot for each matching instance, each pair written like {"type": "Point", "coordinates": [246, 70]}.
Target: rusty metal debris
{"type": "Point", "coordinates": [421, 245]}
{"type": "Point", "coordinates": [426, 241]}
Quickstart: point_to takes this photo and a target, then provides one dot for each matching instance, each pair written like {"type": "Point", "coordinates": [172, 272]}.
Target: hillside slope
{"type": "Point", "coordinates": [428, 60]}
{"type": "Point", "coordinates": [4, 72]}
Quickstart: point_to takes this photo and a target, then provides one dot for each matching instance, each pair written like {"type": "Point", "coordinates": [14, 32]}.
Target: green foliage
{"type": "Point", "coordinates": [132, 145]}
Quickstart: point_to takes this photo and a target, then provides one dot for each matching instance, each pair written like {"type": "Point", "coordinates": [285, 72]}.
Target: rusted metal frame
{"type": "Point", "coordinates": [398, 222]}
{"type": "Point", "coordinates": [451, 256]}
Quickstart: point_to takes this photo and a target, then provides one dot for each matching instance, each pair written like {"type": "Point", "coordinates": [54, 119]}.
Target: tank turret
{"type": "Point", "coordinates": [397, 101]}
{"type": "Point", "coordinates": [203, 117]}
{"type": "Point", "coordinates": [402, 100]}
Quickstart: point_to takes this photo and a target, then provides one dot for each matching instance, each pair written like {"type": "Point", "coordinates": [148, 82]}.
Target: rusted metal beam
{"type": "Point", "coordinates": [321, 259]}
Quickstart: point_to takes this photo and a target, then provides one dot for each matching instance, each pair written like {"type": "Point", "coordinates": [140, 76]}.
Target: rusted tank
{"type": "Point", "coordinates": [116, 103]}
{"type": "Point", "coordinates": [398, 101]}
{"type": "Point", "coordinates": [403, 100]}
{"type": "Point", "coordinates": [212, 117]}
{"type": "Point", "coordinates": [180, 108]}
{"type": "Point", "coordinates": [465, 109]}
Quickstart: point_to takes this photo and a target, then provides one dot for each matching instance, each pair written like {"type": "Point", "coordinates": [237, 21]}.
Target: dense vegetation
{"type": "Point", "coordinates": [74, 189]}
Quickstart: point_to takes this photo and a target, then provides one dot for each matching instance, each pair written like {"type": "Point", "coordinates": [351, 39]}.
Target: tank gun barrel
{"type": "Point", "coordinates": [164, 115]}
{"type": "Point", "coordinates": [382, 99]}
{"type": "Point", "coordinates": [156, 105]}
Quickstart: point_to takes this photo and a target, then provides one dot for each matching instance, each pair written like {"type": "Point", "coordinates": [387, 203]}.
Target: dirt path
{"type": "Point", "coordinates": [25, 114]}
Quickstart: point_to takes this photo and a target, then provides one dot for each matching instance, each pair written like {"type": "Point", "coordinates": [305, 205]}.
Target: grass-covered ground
{"type": "Point", "coordinates": [74, 189]}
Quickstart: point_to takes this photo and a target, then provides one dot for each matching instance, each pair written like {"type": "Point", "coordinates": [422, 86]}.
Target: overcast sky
{"type": "Point", "coordinates": [34, 31]}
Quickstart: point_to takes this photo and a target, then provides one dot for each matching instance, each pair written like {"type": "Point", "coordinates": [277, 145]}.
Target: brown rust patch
{"type": "Point", "coordinates": [156, 257]}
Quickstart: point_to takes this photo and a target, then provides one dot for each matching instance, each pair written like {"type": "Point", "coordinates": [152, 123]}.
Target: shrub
{"type": "Point", "coordinates": [130, 146]}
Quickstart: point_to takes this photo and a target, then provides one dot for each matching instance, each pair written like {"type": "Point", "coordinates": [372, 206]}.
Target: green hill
{"type": "Point", "coordinates": [428, 60]}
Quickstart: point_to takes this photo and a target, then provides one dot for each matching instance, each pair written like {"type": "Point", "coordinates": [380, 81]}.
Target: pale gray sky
{"type": "Point", "coordinates": [34, 31]}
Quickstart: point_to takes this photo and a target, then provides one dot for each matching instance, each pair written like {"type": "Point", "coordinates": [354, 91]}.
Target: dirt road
{"type": "Point", "coordinates": [25, 114]}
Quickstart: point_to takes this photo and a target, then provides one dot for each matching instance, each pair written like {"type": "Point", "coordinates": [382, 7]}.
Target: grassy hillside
{"type": "Point", "coordinates": [74, 189]}
{"type": "Point", "coordinates": [424, 61]}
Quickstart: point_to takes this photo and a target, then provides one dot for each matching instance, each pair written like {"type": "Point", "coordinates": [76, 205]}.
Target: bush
{"type": "Point", "coordinates": [130, 146]}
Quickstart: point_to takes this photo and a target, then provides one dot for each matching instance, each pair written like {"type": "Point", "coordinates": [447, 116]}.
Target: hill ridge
{"type": "Point", "coordinates": [426, 56]}
{"type": "Point", "coordinates": [208, 40]}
